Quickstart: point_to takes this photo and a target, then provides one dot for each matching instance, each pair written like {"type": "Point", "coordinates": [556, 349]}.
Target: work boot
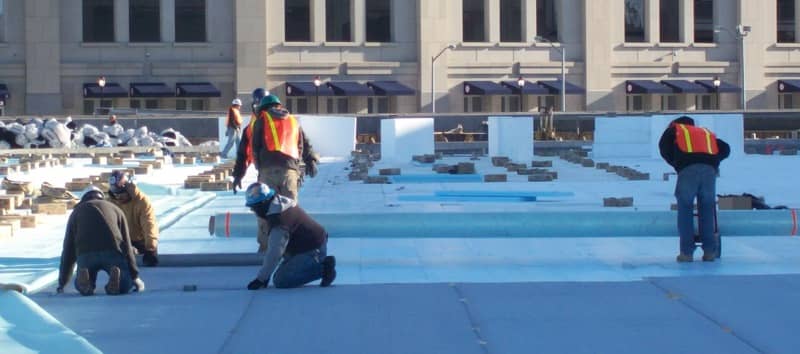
{"type": "Point", "coordinates": [84, 283]}
{"type": "Point", "coordinates": [684, 258]}
{"type": "Point", "coordinates": [328, 271]}
{"type": "Point", "coordinates": [709, 256]}
{"type": "Point", "coordinates": [114, 274]}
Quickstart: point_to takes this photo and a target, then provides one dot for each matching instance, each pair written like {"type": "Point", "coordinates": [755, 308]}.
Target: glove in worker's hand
{"type": "Point", "coordinates": [257, 284]}
{"type": "Point", "coordinates": [311, 166]}
{"type": "Point", "coordinates": [237, 183]}
{"type": "Point", "coordinates": [138, 285]}
{"type": "Point", "coordinates": [150, 258]}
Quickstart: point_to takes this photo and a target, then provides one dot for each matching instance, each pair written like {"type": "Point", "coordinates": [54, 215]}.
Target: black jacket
{"type": "Point", "coordinates": [679, 159]}
{"type": "Point", "coordinates": [95, 226]}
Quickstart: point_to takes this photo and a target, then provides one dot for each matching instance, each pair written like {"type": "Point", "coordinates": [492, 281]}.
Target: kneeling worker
{"type": "Point", "coordinates": [97, 238]}
{"type": "Point", "coordinates": [300, 241]}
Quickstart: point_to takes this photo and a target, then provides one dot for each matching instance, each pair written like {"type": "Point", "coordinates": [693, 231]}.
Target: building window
{"type": "Point", "coordinates": [473, 104]}
{"type": "Point", "coordinates": [297, 21]}
{"type": "Point", "coordinates": [546, 20]}
{"type": "Point", "coordinates": [634, 103]}
{"type": "Point", "coordinates": [337, 21]}
{"type": "Point", "coordinates": [669, 21]}
{"type": "Point", "coordinates": [190, 20]}
{"type": "Point", "coordinates": [379, 20]}
{"type": "Point", "coordinates": [2, 22]}
{"type": "Point", "coordinates": [199, 104]}
{"type": "Point", "coordinates": [704, 21]}
{"type": "Point", "coordinates": [786, 21]}
{"type": "Point", "coordinates": [704, 102]}
{"type": "Point", "coordinates": [145, 21]}
{"type": "Point", "coordinates": [635, 21]}
{"type": "Point", "coordinates": [88, 107]}
{"type": "Point", "coordinates": [509, 103]}
{"type": "Point", "coordinates": [98, 20]}
{"type": "Point", "coordinates": [337, 105]}
{"type": "Point", "coordinates": [786, 101]}
{"type": "Point", "coordinates": [377, 105]}
{"type": "Point", "coordinates": [511, 21]}
{"type": "Point", "coordinates": [669, 103]}
{"type": "Point", "coordinates": [545, 102]}
{"type": "Point", "coordinates": [298, 105]}
{"type": "Point", "coordinates": [474, 24]}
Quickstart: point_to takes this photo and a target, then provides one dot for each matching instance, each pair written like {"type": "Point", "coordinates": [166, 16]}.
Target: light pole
{"type": "Point", "coordinates": [741, 32]}
{"type": "Point", "coordinates": [716, 83]}
{"type": "Point", "coordinates": [433, 75]}
{"type": "Point", "coordinates": [521, 84]}
{"type": "Point", "coordinates": [563, 52]}
{"type": "Point", "coordinates": [317, 82]}
{"type": "Point", "coordinates": [101, 81]}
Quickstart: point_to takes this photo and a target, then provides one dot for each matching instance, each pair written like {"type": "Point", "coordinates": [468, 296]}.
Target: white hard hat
{"type": "Point", "coordinates": [236, 102]}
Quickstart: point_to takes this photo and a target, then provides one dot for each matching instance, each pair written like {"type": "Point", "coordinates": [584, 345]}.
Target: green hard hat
{"type": "Point", "coordinates": [269, 100]}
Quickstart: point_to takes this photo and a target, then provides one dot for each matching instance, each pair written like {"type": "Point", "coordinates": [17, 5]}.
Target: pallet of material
{"type": "Point", "coordinates": [197, 181]}
{"type": "Point", "coordinates": [77, 186]}
{"type": "Point", "coordinates": [142, 170]}
{"type": "Point", "coordinates": [215, 186]}
{"type": "Point", "coordinates": [210, 159]}
{"type": "Point", "coordinates": [116, 161]}
{"type": "Point", "coordinates": [8, 203]}
{"type": "Point", "coordinates": [99, 160]}
{"type": "Point", "coordinates": [15, 224]}
{"type": "Point", "coordinates": [25, 221]}
{"type": "Point", "coordinates": [52, 208]}
{"type": "Point", "coordinates": [6, 170]}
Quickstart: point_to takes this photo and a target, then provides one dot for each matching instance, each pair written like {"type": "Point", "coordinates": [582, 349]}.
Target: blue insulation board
{"type": "Point", "coordinates": [437, 178]}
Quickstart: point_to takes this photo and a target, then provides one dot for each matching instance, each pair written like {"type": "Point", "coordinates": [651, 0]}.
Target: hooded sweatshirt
{"type": "Point", "coordinates": [141, 217]}
{"type": "Point", "coordinates": [292, 232]}
{"type": "Point", "coordinates": [678, 159]}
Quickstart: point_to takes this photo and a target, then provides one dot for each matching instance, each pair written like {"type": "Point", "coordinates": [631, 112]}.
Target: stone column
{"type": "Point", "coordinates": [43, 57]}
{"type": "Point", "coordinates": [492, 17]}
{"type": "Point", "coordinates": [359, 20]}
{"type": "Point", "coordinates": [168, 21]}
{"type": "Point", "coordinates": [599, 17]}
{"type": "Point", "coordinates": [251, 46]}
{"type": "Point", "coordinates": [122, 21]}
{"type": "Point", "coordinates": [529, 15]}
{"type": "Point", "coordinates": [318, 21]}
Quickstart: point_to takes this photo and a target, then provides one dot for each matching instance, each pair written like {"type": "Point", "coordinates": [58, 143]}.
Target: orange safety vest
{"type": "Point", "coordinates": [281, 135]}
{"type": "Point", "coordinates": [691, 139]}
{"type": "Point", "coordinates": [234, 117]}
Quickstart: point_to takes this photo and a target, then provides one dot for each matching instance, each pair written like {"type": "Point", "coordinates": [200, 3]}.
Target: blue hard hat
{"type": "Point", "coordinates": [258, 94]}
{"type": "Point", "coordinates": [257, 193]}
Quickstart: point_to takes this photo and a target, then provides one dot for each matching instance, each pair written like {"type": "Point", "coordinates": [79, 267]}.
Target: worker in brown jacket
{"type": "Point", "coordinates": [140, 215]}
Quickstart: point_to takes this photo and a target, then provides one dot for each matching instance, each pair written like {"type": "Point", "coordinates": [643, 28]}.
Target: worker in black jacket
{"type": "Point", "coordinates": [97, 239]}
{"type": "Point", "coordinates": [695, 153]}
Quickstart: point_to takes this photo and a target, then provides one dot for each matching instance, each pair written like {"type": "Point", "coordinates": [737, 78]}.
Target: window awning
{"type": "Point", "coordinates": [306, 89]}
{"type": "Point", "coordinates": [554, 87]}
{"type": "Point", "coordinates": [646, 87]}
{"type": "Point", "coordinates": [196, 89]}
{"type": "Point", "coordinates": [4, 94]}
{"type": "Point", "coordinates": [783, 86]}
{"type": "Point", "coordinates": [150, 89]}
{"type": "Point", "coordinates": [111, 90]}
{"type": "Point", "coordinates": [684, 86]}
{"type": "Point", "coordinates": [350, 88]}
{"type": "Point", "coordinates": [485, 88]}
{"type": "Point", "coordinates": [724, 87]}
{"type": "Point", "coordinates": [530, 88]}
{"type": "Point", "coordinates": [390, 88]}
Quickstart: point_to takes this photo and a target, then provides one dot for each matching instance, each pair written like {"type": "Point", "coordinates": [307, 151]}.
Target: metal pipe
{"type": "Point", "coordinates": [521, 224]}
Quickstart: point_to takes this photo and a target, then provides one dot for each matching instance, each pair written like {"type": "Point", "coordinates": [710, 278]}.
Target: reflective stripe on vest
{"type": "Point", "coordinates": [249, 133]}
{"type": "Point", "coordinates": [691, 139]}
{"type": "Point", "coordinates": [282, 136]}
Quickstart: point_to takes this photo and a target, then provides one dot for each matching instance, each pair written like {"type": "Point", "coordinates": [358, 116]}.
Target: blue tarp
{"type": "Point", "coordinates": [783, 86]}
{"type": "Point", "coordinates": [555, 87]}
{"type": "Point", "coordinates": [530, 88]}
{"type": "Point", "coordinates": [196, 89]}
{"type": "Point", "coordinates": [485, 88]}
{"type": "Point", "coordinates": [111, 90]}
{"type": "Point", "coordinates": [646, 86]}
{"type": "Point", "coordinates": [724, 87]}
{"type": "Point", "coordinates": [350, 88]}
{"type": "Point", "coordinates": [307, 89]}
{"type": "Point", "coordinates": [390, 88]}
{"type": "Point", "coordinates": [150, 89]}
{"type": "Point", "coordinates": [684, 86]}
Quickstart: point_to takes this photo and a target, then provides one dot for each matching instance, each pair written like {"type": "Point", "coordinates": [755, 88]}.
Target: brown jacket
{"type": "Point", "coordinates": [141, 217]}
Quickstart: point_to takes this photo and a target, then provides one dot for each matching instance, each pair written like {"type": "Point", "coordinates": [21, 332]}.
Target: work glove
{"type": "Point", "coordinates": [257, 284]}
{"type": "Point", "coordinates": [311, 166]}
{"type": "Point", "coordinates": [150, 258]}
{"type": "Point", "coordinates": [138, 285]}
{"type": "Point", "coordinates": [237, 183]}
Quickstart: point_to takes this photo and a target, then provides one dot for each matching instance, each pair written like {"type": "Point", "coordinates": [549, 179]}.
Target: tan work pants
{"type": "Point", "coordinates": [284, 181]}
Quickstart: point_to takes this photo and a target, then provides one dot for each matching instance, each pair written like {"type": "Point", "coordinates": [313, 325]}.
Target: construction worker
{"type": "Point", "coordinates": [97, 239]}
{"type": "Point", "coordinates": [275, 143]}
{"type": "Point", "coordinates": [140, 215]}
{"type": "Point", "coordinates": [695, 153]}
{"type": "Point", "coordinates": [294, 237]}
{"type": "Point", "coordinates": [233, 125]}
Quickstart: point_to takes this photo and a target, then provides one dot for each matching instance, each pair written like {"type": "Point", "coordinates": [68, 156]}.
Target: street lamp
{"type": "Point", "coordinates": [741, 32]}
{"type": "Point", "coordinates": [521, 84]}
{"type": "Point", "coordinates": [433, 75]}
{"type": "Point", "coordinates": [101, 81]}
{"type": "Point", "coordinates": [563, 52]}
{"type": "Point", "coordinates": [317, 82]}
{"type": "Point", "coordinates": [716, 83]}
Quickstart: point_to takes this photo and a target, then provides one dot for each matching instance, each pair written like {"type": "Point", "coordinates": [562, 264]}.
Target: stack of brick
{"type": "Point", "coordinates": [618, 202]}
{"type": "Point", "coordinates": [427, 158]}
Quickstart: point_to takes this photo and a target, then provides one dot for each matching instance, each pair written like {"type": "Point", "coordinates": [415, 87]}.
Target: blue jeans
{"type": "Point", "coordinates": [96, 261]}
{"type": "Point", "coordinates": [234, 136]}
{"type": "Point", "coordinates": [696, 180]}
{"type": "Point", "coordinates": [300, 269]}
